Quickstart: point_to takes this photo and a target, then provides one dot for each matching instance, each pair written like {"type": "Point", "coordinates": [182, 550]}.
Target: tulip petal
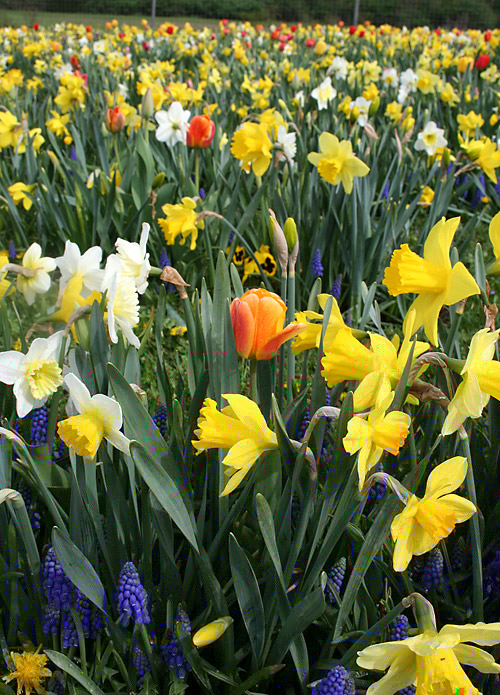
{"type": "Point", "coordinates": [269, 321]}
{"type": "Point", "coordinates": [269, 349]}
{"type": "Point", "coordinates": [244, 327]}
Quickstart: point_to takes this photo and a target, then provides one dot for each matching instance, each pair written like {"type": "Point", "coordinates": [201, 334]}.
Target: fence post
{"type": "Point", "coordinates": [153, 14]}
{"type": "Point", "coordinates": [355, 14]}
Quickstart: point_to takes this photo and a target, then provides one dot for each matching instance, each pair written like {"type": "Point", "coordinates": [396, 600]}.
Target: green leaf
{"type": "Point", "coordinates": [480, 272]}
{"type": "Point", "coordinates": [248, 594]}
{"type": "Point", "coordinates": [165, 491]}
{"type": "Point", "coordinates": [78, 568]}
{"type": "Point", "coordinates": [301, 616]}
{"type": "Point", "coordinates": [66, 665]}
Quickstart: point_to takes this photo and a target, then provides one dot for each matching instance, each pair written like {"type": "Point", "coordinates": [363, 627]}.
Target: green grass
{"type": "Point", "coordinates": [29, 16]}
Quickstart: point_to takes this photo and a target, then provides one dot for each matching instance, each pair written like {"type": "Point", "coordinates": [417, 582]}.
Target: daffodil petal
{"type": "Point", "coordinates": [446, 477]}
{"type": "Point", "coordinates": [401, 674]}
{"type": "Point", "coordinates": [381, 656]}
{"type": "Point", "coordinates": [438, 243]}
{"type": "Point", "coordinates": [462, 284]}
{"type": "Point", "coordinates": [246, 411]}
{"type": "Point", "coordinates": [473, 656]}
{"type": "Point", "coordinates": [481, 633]}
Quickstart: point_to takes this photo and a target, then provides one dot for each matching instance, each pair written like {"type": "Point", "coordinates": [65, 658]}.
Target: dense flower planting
{"type": "Point", "coordinates": [248, 359]}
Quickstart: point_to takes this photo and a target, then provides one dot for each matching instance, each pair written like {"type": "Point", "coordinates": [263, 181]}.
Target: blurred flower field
{"type": "Point", "coordinates": [248, 360]}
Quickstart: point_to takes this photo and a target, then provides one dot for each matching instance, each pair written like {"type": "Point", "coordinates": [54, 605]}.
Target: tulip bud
{"type": "Point", "coordinates": [278, 241]}
{"type": "Point", "coordinates": [115, 120]}
{"type": "Point", "coordinates": [446, 157]}
{"type": "Point", "coordinates": [200, 132]}
{"type": "Point", "coordinates": [211, 632]}
{"type": "Point", "coordinates": [147, 104]}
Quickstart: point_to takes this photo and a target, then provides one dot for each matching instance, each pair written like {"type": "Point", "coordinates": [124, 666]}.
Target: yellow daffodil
{"type": "Point", "coordinates": [426, 197]}
{"type": "Point", "coordinates": [481, 379]}
{"type": "Point", "coordinates": [485, 154]}
{"type": "Point", "coordinates": [494, 234]}
{"type": "Point", "coordinates": [470, 122]}
{"type": "Point", "coordinates": [239, 427]}
{"type": "Point", "coordinates": [432, 277]}
{"type": "Point", "coordinates": [381, 364]}
{"type": "Point", "coordinates": [29, 672]}
{"type": "Point", "coordinates": [20, 193]}
{"type": "Point", "coordinates": [181, 219]}
{"type": "Point", "coordinates": [336, 162]}
{"type": "Point", "coordinates": [310, 338]}
{"type": "Point", "coordinates": [380, 432]}
{"type": "Point", "coordinates": [99, 418]}
{"type": "Point", "coordinates": [431, 660]}
{"type": "Point", "coordinates": [251, 145]}
{"type": "Point", "coordinates": [424, 522]}
{"type": "Point", "coordinates": [10, 130]}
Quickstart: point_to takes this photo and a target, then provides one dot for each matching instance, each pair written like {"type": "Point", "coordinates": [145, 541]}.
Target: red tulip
{"type": "Point", "coordinates": [258, 319]}
{"type": "Point", "coordinates": [170, 29]}
{"type": "Point", "coordinates": [201, 132]}
{"type": "Point", "coordinates": [310, 43]}
{"type": "Point", "coordinates": [487, 35]}
{"type": "Point", "coordinates": [352, 29]}
{"type": "Point", "coordinates": [115, 120]}
{"type": "Point", "coordinates": [36, 27]}
{"type": "Point", "coordinates": [482, 62]}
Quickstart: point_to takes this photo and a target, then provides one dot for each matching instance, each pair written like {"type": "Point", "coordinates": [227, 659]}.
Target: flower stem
{"type": "Point", "coordinates": [197, 170]}
{"type": "Point", "coordinates": [477, 567]}
{"type": "Point", "coordinates": [254, 393]}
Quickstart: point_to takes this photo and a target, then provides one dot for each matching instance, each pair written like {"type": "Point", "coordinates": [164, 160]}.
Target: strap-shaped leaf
{"type": "Point", "coordinates": [249, 598]}
{"type": "Point", "coordinates": [66, 665]}
{"type": "Point", "coordinates": [165, 490]}
{"type": "Point", "coordinates": [77, 567]}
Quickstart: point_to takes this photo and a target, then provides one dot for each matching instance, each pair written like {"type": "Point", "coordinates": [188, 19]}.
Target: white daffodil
{"type": "Point", "coordinates": [39, 282]}
{"type": "Point", "coordinates": [100, 417]}
{"type": "Point", "coordinates": [390, 77]}
{"type": "Point", "coordinates": [430, 139]}
{"type": "Point", "coordinates": [122, 302]}
{"type": "Point", "coordinates": [173, 124]}
{"type": "Point", "coordinates": [135, 260]}
{"type": "Point", "coordinates": [287, 143]}
{"type": "Point", "coordinates": [72, 264]}
{"type": "Point", "coordinates": [339, 68]}
{"type": "Point", "coordinates": [324, 93]}
{"type": "Point", "coordinates": [361, 107]}
{"type": "Point", "coordinates": [36, 375]}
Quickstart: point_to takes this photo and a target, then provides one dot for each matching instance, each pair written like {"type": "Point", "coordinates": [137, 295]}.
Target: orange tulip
{"type": "Point", "coordinates": [115, 120]}
{"type": "Point", "coordinates": [201, 132]}
{"type": "Point", "coordinates": [258, 318]}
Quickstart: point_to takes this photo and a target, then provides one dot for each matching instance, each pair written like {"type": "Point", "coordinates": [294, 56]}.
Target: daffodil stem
{"type": "Point", "coordinates": [457, 318]}
{"type": "Point", "coordinates": [290, 318]}
{"type": "Point", "coordinates": [477, 567]}
{"type": "Point", "coordinates": [208, 248]}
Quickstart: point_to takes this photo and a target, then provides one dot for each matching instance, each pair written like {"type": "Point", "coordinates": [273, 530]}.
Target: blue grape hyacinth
{"type": "Point", "coordinates": [432, 575]}
{"type": "Point", "coordinates": [56, 586]}
{"type": "Point", "coordinates": [132, 599]}
{"type": "Point", "coordinates": [399, 629]}
{"type": "Point", "coordinates": [337, 682]}
{"type": "Point", "coordinates": [336, 576]}
{"type": "Point", "coordinates": [316, 265]}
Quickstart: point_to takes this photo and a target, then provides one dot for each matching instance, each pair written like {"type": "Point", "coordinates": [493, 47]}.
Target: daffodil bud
{"type": "Point", "coordinates": [374, 106]}
{"type": "Point", "coordinates": [211, 632]}
{"type": "Point", "coordinates": [290, 231]}
{"type": "Point", "coordinates": [147, 104]}
{"type": "Point", "coordinates": [158, 180]}
{"type": "Point", "coordinates": [278, 241]}
{"type": "Point", "coordinates": [82, 330]}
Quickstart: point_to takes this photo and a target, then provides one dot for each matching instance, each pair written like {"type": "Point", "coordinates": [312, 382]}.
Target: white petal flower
{"type": "Point", "coordinates": [123, 302]}
{"type": "Point", "coordinates": [100, 417]}
{"type": "Point", "coordinates": [134, 259]}
{"type": "Point", "coordinates": [173, 124]}
{"type": "Point", "coordinates": [430, 139]}
{"type": "Point", "coordinates": [324, 93]}
{"type": "Point", "coordinates": [36, 375]}
{"type": "Point", "coordinates": [362, 106]}
{"type": "Point", "coordinates": [39, 283]}
{"type": "Point", "coordinates": [287, 142]}
{"type": "Point", "coordinates": [72, 263]}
